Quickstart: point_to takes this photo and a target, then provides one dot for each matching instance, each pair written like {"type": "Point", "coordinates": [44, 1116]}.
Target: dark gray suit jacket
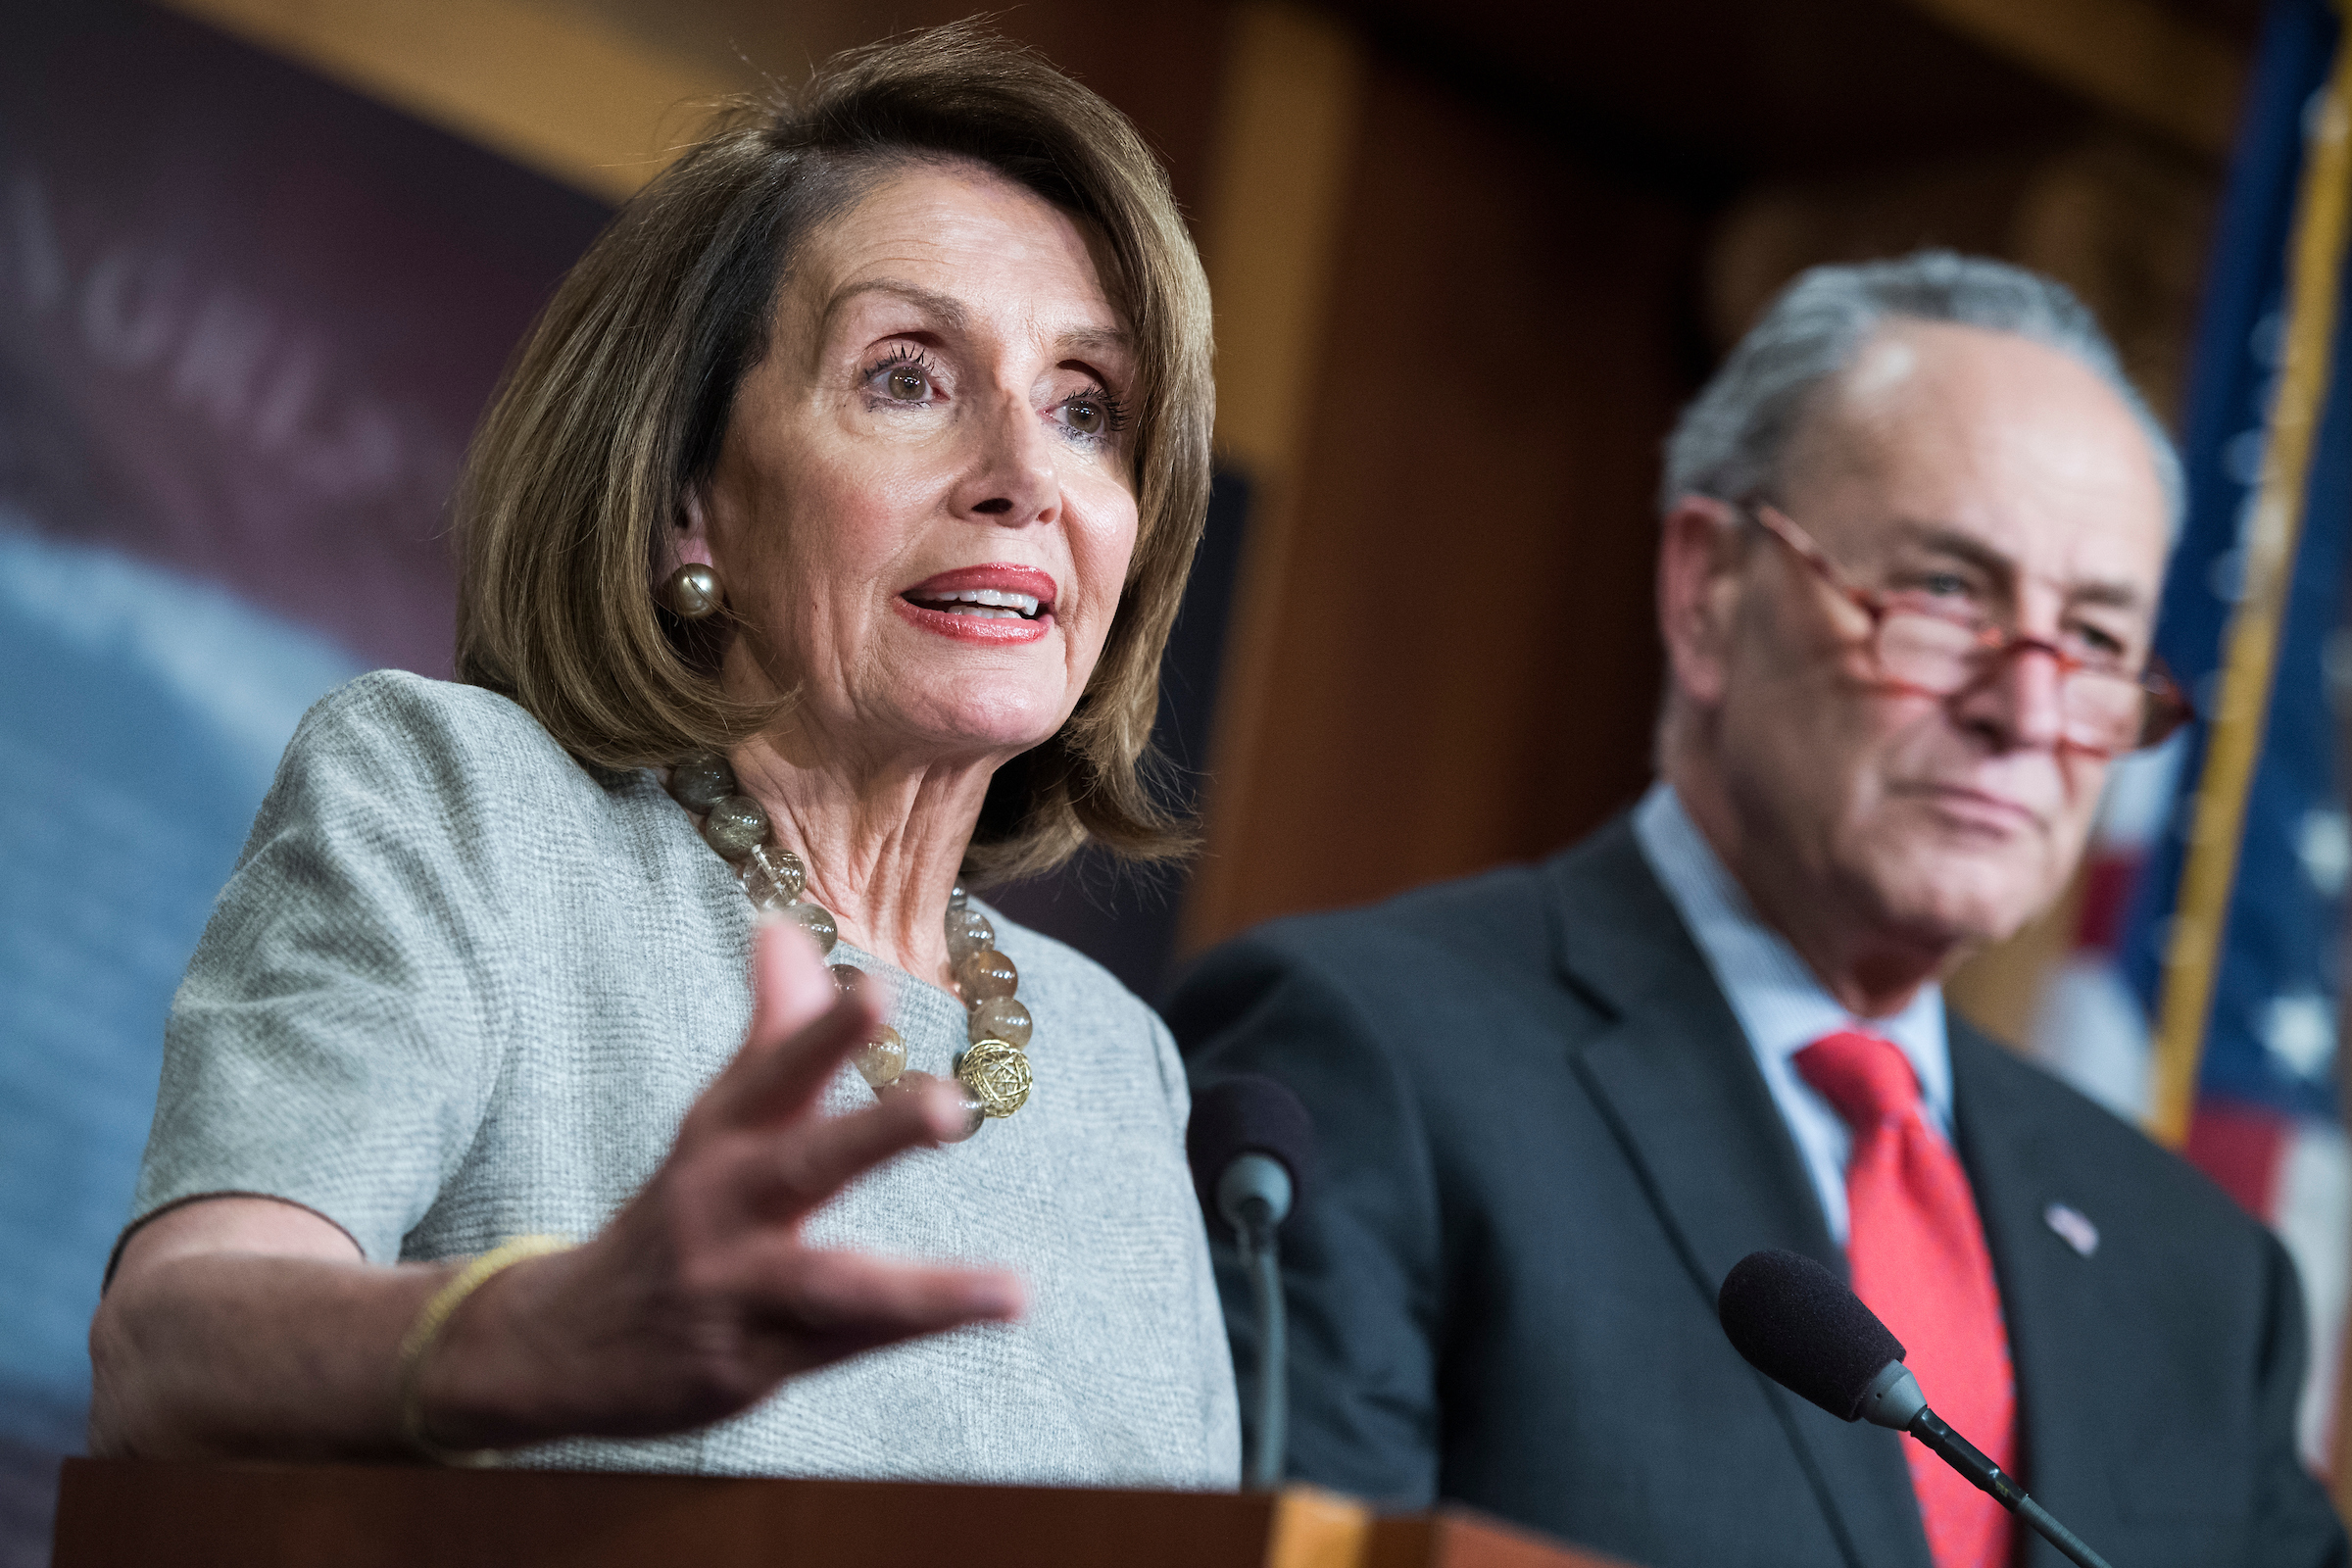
{"type": "Point", "coordinates": [1544, 1141]}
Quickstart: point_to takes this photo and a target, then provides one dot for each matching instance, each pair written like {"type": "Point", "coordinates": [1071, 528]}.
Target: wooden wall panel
{"type": "Point", "coordinates": [1463, 668]}
{"type": "Point", "coordinates": [600, 94]}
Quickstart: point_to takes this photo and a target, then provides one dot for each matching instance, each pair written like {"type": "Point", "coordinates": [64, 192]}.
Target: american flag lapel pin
{"type": "Point", "coordinates": [2073, 1227]}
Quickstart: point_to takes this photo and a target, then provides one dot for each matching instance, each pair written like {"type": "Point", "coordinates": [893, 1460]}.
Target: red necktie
{"type": "Point", "coordinates": [1918, 1255]}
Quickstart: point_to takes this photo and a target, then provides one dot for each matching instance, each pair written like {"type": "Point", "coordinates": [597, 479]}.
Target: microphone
{"type": "Point", "coordinates": [1252, 1149]}
{"type": "Point", "coordinates": [1797, 1323]}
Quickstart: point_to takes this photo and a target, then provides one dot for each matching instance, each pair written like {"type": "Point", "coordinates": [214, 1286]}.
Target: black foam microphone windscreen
{"type": "Point", "coordinates": [1248, 1113]}
{"type": "Point", "coordinates": [1800, 1326]}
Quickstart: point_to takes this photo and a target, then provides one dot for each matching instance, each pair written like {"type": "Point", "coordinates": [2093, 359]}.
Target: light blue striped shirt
{"type": "Point", "coordinates": [1780, 1005]}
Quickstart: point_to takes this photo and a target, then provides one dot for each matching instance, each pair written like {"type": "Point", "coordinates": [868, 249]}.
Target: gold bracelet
{"type": "Point", "coordinates": [425, 1333]}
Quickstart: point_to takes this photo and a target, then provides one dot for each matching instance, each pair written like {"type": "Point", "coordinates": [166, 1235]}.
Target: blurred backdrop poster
{"type": "Point", "coordinates": [247, 320]}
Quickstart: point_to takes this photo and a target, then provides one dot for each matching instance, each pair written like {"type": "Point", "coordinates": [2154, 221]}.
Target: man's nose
{"type": "Point", "coordinates": [2019, 702]}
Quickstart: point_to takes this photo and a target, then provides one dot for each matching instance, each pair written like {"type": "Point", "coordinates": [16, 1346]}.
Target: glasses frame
{"type": "Point", "coordinates": [2166, 706]}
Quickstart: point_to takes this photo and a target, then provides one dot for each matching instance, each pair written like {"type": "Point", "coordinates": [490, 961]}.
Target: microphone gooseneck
{"type": "Point", "coordinates": [1252, 1147]}
{"type": "Point", "coordinates": [1798, 1324]}
{"type": "Point", "coordinates": [1254, 1197]}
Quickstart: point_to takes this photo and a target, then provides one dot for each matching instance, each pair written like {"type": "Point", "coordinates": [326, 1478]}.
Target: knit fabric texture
{"type": "Point", "coordinates": [461, 989]}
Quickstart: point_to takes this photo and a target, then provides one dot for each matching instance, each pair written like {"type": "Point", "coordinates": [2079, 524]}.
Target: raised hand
{"type": "Point", "coordinates": [702, 1296]}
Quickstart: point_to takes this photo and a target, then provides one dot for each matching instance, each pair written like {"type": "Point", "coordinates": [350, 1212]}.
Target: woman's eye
{"type": "Point", "coordinates": [1094, 414]}
{"type": "Point", "coordinates": [1945, 585]}
{"type": "Point", "coordinates": [903, 378]}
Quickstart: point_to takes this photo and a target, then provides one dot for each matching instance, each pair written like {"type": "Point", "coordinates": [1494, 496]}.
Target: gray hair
{"type": "Point", "coordinates": [1729, 441]}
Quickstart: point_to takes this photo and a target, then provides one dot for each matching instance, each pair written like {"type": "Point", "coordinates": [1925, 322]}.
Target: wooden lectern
{"type": "Point", "coordinates": [130, 1514]}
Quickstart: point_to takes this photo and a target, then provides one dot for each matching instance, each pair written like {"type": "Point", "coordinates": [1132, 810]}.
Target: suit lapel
{"type": "Point", "coordinates": [1675, 1073]}
{"type": "Point", "coordinates": [2049, 1291]}
{"type": "Point", "coordinates": [1675, 1079]}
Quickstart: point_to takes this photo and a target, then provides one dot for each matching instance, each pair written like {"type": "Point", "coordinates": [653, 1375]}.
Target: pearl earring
{"type": "Point", "coordinates": [692, 592]}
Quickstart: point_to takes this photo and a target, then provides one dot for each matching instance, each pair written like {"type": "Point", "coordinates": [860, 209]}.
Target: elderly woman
{"type": "Point", "coordinates": [820, 552]}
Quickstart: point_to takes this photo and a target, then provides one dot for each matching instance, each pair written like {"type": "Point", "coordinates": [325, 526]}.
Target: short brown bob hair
{"type": "Point", "coordinates": [619, 400]}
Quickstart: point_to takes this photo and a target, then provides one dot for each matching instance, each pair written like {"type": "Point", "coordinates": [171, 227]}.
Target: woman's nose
{"type": "Point", "coordinates": [1014, 477]}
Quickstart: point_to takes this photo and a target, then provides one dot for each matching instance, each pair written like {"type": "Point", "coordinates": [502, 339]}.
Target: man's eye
{"type": "Point", "coordinates": [2100, 645]}
{"type": "Point", "coordinates": [1945, 585]}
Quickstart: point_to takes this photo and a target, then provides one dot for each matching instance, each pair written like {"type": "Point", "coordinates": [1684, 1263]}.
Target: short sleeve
{"type": "Point", "coordinates": [1173, 1080]}
{"type": "Point", "coordinates": [333, 1042]}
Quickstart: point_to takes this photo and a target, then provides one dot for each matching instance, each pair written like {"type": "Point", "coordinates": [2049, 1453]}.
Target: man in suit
{"type": "Point", "coordinates": [1913, 536]}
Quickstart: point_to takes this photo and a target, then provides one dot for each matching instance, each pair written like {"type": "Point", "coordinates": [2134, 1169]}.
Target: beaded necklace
{"type": "Point", "coordinates": [994, 1072]}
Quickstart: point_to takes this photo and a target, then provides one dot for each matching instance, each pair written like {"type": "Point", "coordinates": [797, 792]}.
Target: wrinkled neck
{"type": "Point", "coordinates": [1869, 969]}
{"type": "Point", "coordinates": [882, 844]}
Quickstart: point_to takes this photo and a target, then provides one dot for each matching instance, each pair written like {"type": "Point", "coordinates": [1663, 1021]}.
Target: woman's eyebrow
{"type": "Point", "coordinates": [951, 312]}
{"type": "Point", "coordinates": [945, 308]}
{"type": "Point", "coordinates": [1097, 340]}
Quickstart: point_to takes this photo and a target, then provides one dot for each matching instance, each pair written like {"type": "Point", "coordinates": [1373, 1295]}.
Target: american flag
{"type": "Point", "coordinates": [2247, 975]}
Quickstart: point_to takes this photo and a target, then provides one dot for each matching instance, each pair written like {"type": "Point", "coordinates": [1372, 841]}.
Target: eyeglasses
{"type": "Point", "coordinates": [1917, 644]}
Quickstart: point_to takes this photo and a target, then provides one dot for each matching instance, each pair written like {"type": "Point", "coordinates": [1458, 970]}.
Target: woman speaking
{"type": "Point", "coordinates": [818, 554]}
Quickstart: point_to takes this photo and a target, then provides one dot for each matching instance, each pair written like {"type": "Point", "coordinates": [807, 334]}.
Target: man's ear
{"type": "Point", "coordinates": [1700, 550]}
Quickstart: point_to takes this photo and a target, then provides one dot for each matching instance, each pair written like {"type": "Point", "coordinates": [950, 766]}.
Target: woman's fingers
{"type": "Point", "coordinates": [824, 1305]}
{"type": "Point", "coordinates": [711, 1249]}
{"type": "Point", "coordinates": [776, 1076]}
{"type": "Point", "coordinates": [790, 984]}
{"type": "Point", "coordinates": [787, 1174]}
{"type": "Point", "coordinates": [761, 1087]}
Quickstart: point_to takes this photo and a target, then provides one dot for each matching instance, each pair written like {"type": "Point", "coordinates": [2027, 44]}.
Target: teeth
{"type": "Point", "coordinates": [990, 602]}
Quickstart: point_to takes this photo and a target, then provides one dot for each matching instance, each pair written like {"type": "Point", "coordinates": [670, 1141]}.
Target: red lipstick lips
{"type": "Point", "coordinates": [995, 603]}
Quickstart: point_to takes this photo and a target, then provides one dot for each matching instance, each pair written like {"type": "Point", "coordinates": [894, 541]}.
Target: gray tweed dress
{"type": "Point", "coordinates": [459, 990]}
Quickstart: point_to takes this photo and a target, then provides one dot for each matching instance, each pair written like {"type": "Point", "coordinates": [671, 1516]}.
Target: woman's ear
{"type": "Point", "coordinates": [1700, 550]}
{"type": "Point", "coordinates": [690, 537]}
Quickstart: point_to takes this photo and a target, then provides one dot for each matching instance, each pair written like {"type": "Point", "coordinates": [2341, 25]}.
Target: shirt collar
{"type": "Point", "coordinates": [1779, 1004]}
